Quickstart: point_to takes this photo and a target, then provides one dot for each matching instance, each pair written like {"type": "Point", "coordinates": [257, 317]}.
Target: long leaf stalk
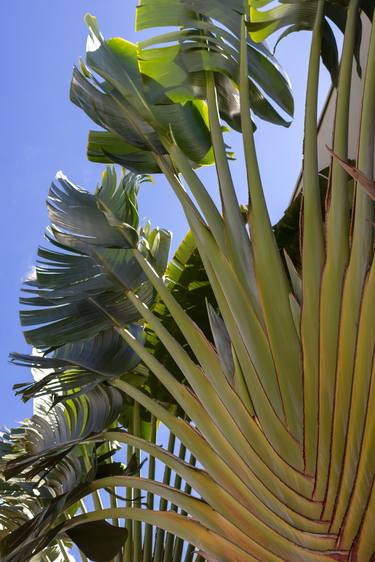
{"type": "Point", "coordinates": [160, 533]}
{"type": "Point", "coordinates": [251, 345]}
{"type": "Point", "coordinates": [263, 451]}
{"type": "Point", "coordinates": [198, 510]}
{"type": "Point", "coordinates": [312, 251]}
{"type": "Point", "coordinates": [237, 495]}
{"type": "Point", "coordinates": [113, 503]}
{"type": "Point", "coordinates": [177, 186]}
{"type": "Point", "coordinates": [170, 538]}
{"type": "Point", "coordinates": [128, 547]}
{"type": "Point", "coordinates": [255, 339]}
{"type": "Point", "coordinates": [195, 377]}
{"type": "Point", "coordinates": [167, 378]}
{"type": "Point", "coordinates": [148, 536]}
{"type": "Point", "coordinates": [270, 273]}
{"type": "Point", "coordinates": [204, 353]}
{"type": "Point", "coordinates": [365, 545]}
{"type": "Point", "coordinates": [206, 425]}
{"type": "Point", "coordinates": [354, 499]}
{"type": "Point", "coordinates": [337, 249]}
{"type": "Point", "coordinates": [217, 526]}
{"type": "Point", "coordinates": [96, 497]}
{"type": "Point", "coordinates": [179, 543]}
{"type": "Point", "coordinates": [237, 239]}
{"type": "Point", "coordinates": [84, 509]}
{"type": "Point", "coordinates": [137, 538]}
{"type": "Point", "coordinates": [199, 192]}
{"type": "Point", "coordinates": [112, 500]}
{"type": "Point", "coordinates": [63, 551]}
{"type": "Point", "coordinates": [193, 412]}
{"type": "Point", "coordinates": [240, 386]}
{"type": "Point", "coordinates": [356, 294]}
{"type": "Point", "coordinates": [188, 529]}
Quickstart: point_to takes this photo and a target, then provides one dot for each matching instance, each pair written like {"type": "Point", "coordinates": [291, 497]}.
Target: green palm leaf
{"type": "Point", "coordinates": [61, 428]}
{"type": "Point", "coordinates": [69, 287]}
{"type": "Point", "coordinates": [202, 45]}
{"type": "Point", "coordinates": [47, 450]}
{"type": "Point", "coordinates": [82, 364]}
{"type": "Point", "coordinates": [154, 100]}
{"type": "Point", "coordinates": [134, 133]}
{"type": "Point", "coordinates": [296, 16]}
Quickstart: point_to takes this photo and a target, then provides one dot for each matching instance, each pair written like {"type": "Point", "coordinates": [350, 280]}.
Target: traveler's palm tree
{"type": "Point", "coordinates": [255, 348]}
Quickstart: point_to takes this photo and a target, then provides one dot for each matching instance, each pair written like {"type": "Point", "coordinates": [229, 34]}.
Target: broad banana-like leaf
{"type": "Point", "coordinates": [31, 508]}
{"type": "Point", "coordinates": [300, 15]}
{"type": "Point", "coordinates": [201, 45]}
{"type": "Point", "coordinates": [73, 372]}
{"type": "Point", "coordinates": [147, 86]}
{"type": "Point", "coordinates": [69, 288]}
{"type": "Point", "coordinates": [64, 425]}
{"type": "Point", "coordinates": [59, 474]}
{"type": "Point", "coordinates": [133, 136]}
{"type": "Point", "coordinates": [83, 364]}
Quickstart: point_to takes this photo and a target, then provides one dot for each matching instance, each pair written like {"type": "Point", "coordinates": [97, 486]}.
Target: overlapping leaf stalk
{"type": "Point", "coordinates": [279, 411]}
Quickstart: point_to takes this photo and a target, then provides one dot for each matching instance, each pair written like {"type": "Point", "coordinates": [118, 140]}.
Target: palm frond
{"type": "Point", "coordinates": [158, 91]}
{"type": "Point", "coordinates": [83, 274]}
{"type": "Point", "coordinates": [208, 40]}
{"type": "Point", "coordinates": [297, 16]}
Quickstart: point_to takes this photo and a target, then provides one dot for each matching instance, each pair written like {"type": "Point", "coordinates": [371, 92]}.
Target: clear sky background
{"type": "Point", "coordinates": [42, 132]}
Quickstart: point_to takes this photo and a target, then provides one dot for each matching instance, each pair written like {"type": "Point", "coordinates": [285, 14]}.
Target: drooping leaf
{"type": "Point", "coordinates": [147, 93]}
{"type": "Point", "coordinates": [210, 31]}
{"type": "Point", "coordinates": [107, 147]}
{"type": "Point", "coordinates": [26, 505]}
{"type": "Point", "coordinates": [122, 106]}
{"type": "Point", "coordinates": [60, 428]}
{"type": "Point", "coordinates": [82, 364]}
{"type": "Point", "coordinates": [75, 285]}
{"type": "Point", "coordinates": [297, 16]}
{"type": "Point", "coordinates": [203, 46]}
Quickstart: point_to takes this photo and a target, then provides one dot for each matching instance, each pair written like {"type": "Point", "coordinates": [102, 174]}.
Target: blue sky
{"type": "Point", "coordinates": [42, 132]}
